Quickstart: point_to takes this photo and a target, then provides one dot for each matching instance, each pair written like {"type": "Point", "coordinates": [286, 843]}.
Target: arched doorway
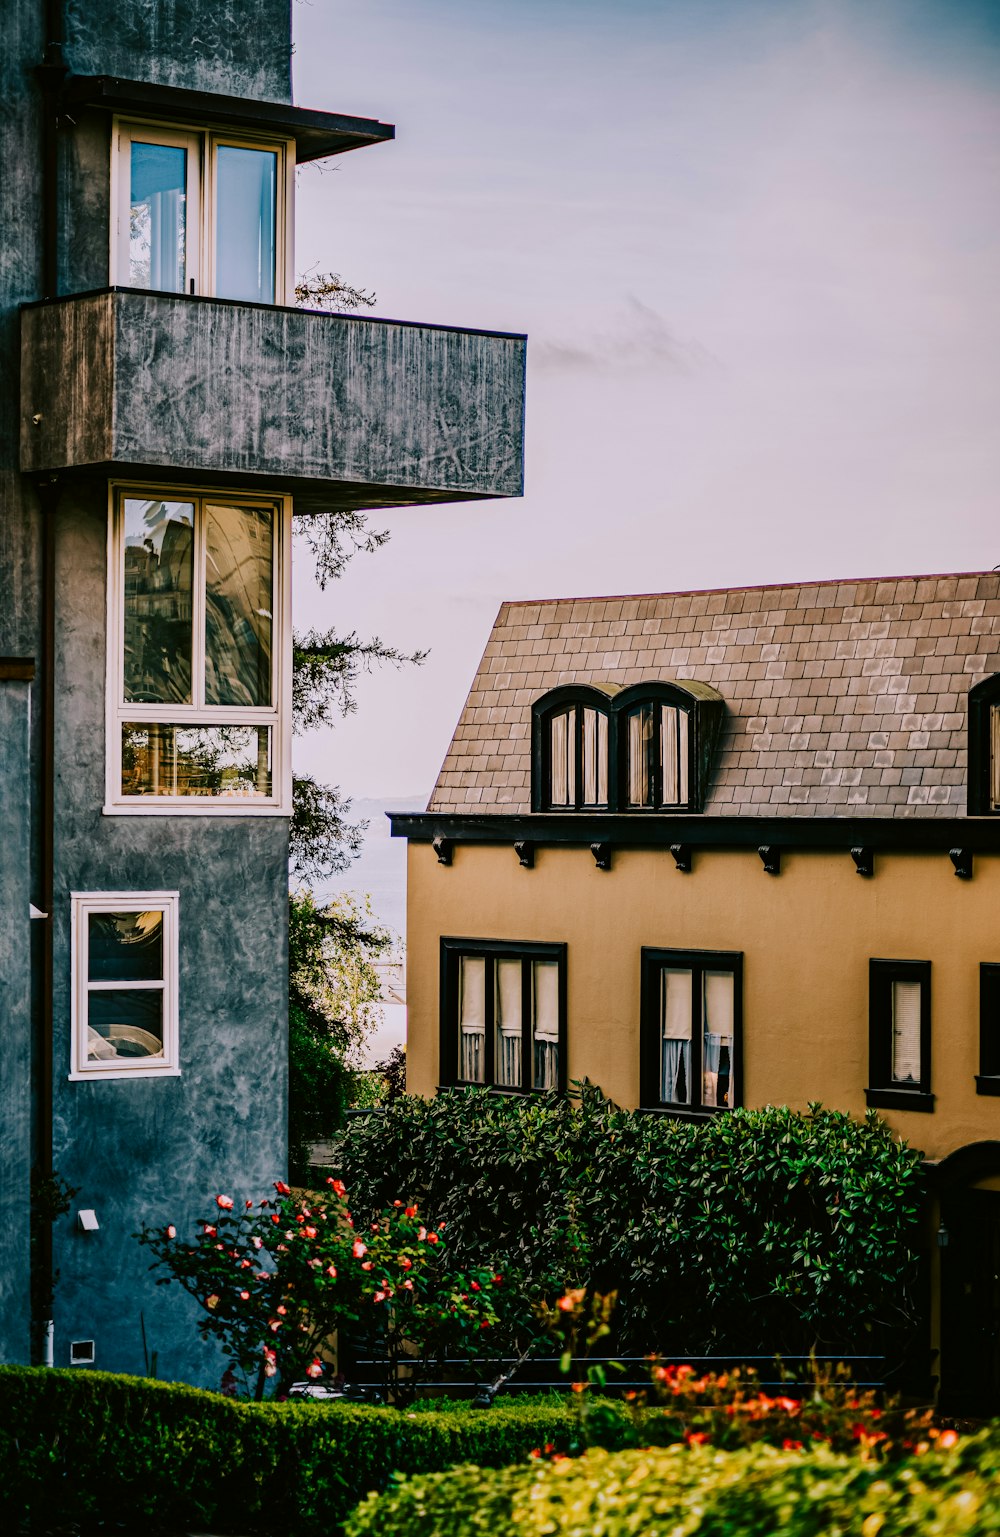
{"type": "Point", "coordinates": [967, 1185]}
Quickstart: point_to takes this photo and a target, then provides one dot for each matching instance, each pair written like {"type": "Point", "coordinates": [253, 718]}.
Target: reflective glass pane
{"type": "Point", "coordinates": [239, 561]}
{"type": "Point", "coordinates": [676, 1001]}
{"type": "Point", "coordinates": [246, 182]}
{"type": "Point", "coordinates": [508, 1024]}
{"type": "Point", "coordinates": [472, 1018]}
{"type": "Point", "coordinates": [906, 1033]}
{"type": "Point", "coordinates": [595, 758]}
{"type": "Point", "coordinates": [718, 1004]}
{"type": "Point", "coordinates": [545, 1024]}
{"type": "Point", "coordinates": [125, 947]}
{"type": "Point", "coordinates": [232, 761]}
{"type": "Point", "coordinates": [158, 217]}
{"type": "Point", "coordinates": [124, 1022]}
{"type": "Point", "coordinates": [674, 749]}
{"type": "Point", "coordinates": [562, 749]}
{"type": "Point", "coordinates": [159, 565]}
{"type": "Point", "coordinates": [640, 756]}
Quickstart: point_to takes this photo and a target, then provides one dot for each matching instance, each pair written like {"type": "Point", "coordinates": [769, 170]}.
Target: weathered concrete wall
{"type": "Point", "coordinates": [202, 385]}
{"type": "Point", "coordinates": [158, 1150]}
{"type": "Point", "coordinates": [15, 1018]}
{"type": "Point", "coordinates": [806, 939]}
{"type": "Point", "coordinates": [234, 47]}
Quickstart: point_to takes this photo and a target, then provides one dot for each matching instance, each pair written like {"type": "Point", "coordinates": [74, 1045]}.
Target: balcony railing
{"type": "Point", "coordinates": [342, 410]}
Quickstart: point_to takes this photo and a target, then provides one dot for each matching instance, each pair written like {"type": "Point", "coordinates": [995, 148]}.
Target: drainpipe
{"type": "Point", "coordinates": [51, 73]}
{"type": "Point", "coordinates": [47, 497]}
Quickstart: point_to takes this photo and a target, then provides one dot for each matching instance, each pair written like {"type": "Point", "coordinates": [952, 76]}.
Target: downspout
{"type": "Point", "coordinates": [51, 73]}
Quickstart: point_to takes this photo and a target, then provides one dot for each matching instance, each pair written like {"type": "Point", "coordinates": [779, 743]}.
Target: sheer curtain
{"type": "Point", "coordinates": [717, 1037]}
{"type": "Point", "coordinates": [508, 1024]}
{"type": "Point", "coordinates": [640, 756]}
{"type": "Point", "coordinates": [676, 992]}
{"type": "Point", "coordinates": [562, 757]}
{"type": "Point", "coordinates": [472, 1018]}
{"type": "Point", "coordinates": [906, 1032]}
{"type": "Point", "coordinates": [595, 758]}
{"type": "Point", "coordinates": [674, 751]}
{"type": "Point", "coordinates": [545, 1023]}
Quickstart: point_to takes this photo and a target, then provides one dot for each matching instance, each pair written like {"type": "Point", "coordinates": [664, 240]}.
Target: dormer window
{"type": "Point", "coordinates": [573, 750]}
{"type": "Point", "coordinates": [984, 748]}
{"type": "Point", "coordinates": [201, 213]}
{"type": "Point", "coordinates": [657, 771]}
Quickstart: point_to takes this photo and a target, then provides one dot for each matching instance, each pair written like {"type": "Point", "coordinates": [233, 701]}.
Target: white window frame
{"type": "Point", "coordinates": [202, 145]}
{"type": "Point", "coordinates": [83, 903]}
{"type": "Point", "coordinates": [277, 715]}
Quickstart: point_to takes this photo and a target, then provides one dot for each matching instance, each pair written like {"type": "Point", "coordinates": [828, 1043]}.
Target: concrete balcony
{"type": "Point", "coordinates": [342, 411]}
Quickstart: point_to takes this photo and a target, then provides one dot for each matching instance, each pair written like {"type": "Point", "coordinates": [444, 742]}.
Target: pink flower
{"type": "Point", "coordinates": [281, 1187]}
{"type": "Point", "coordinates": [244, 1296]}
{"type": "Point", "coordinates": [258, 1243]}
{"type": "Point", "coordinates": [358, 1248]}
{"type": "Point", "coordinates": [315, 1368]}
{"type": "Point", "coordinates": [421, 1234]}
{"type": "Point", "coordinates": [208, 1230]}
{"type": "Point", "coordinates": [331, 1271]}
{"type": "Point", "coordinates": [274, 1324]}
{"type": "Point", "coordinates": [380, 1296]}
{"type": "Point", "coordinates": [366, 1264]}
{"type": "Point", "coordinates": [270, 1361]}
{"type": "Point", "coordinates": [212, 1301]}
{"type": "Point", "coordinates": [171, 1231]}
{"type": "Point", "coordinates": [408, 1285]}
{"type": "Point", "coordinates": [407, 1264]}
{"type": "Point", "coordinates": [281, 1309]}
{"type": "Point", "coordinates": [225, 1202]}
{"type": "Point", "coordinates": [246, 1264]}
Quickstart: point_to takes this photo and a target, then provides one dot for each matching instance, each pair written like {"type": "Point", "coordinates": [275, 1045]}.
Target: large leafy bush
{"type": "Point", "coordinates": [760, 1230]}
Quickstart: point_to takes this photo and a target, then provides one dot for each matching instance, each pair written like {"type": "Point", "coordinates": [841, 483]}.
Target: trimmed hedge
{"type": "Point", "coordinates": [89, 1447]}
{"type": "Point", "coordinates": [700, 1492]}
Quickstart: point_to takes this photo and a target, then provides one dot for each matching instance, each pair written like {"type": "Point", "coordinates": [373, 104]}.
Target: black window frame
{"type": "Point", "coordinates": [577, 697]}
{"type": "Point", "coordinates": [491, 950]}
{"type": "Point", "coordinates": [982, 698]}
{"type": "Point", "coordinates": [988, 1077]}
{"type": "Point", "coordinates": [655, 695]}
{"type": "Point", "coordinates": [882, 1093]}
{"type": "Point", "coordinates": [653, 961]}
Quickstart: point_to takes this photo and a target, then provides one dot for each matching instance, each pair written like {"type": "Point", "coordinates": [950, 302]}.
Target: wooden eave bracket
{"type": "Point", "coordinates": [770, 858]}
{"type": "Point", "coordinates": [864, 861]}
{"type": "Point", "coordinates": [443, 848]}
{"type": "Point", "coordinates": [526, 854]}
{"type": "Point", "coordinates": [683, 855]}
{"type": "Point", "coordinates": [962, 860]}
{"type": "Point", "coordinates": [602, 855]}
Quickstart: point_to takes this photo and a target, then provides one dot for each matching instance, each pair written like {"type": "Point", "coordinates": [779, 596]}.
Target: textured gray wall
{"type": "Point", "coordinates": [207, 386]}
{"type": "Point", "coordinates": [234, 47]}
{"type": "Point", "coordinates": [158, 1150]}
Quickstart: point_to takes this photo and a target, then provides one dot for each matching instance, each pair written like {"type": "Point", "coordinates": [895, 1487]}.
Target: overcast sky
{"type": "Point", "coordinates": [754, 244]}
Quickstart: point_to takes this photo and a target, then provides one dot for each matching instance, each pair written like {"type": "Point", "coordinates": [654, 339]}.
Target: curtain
{"type": "Point", "coordinates": [717, 1037]}
{"type": "Point", "coordinates": [640, 740]}
{"type": "Point", "coordinates": [676, 994]}
{"type": "Point", "coordinates": [545, 1023]}
{"type": "Point", "coordinates": [906, 1032]}
{"type": "Point", "coordinates": [562, 744]}
{"type": "Point", "coordinates": [674, 751]}
{"type": "Point", "coordinates": [595, 758]}
{"type": "Point", "coordinates": [472, 1018]}
{"type": "Point", "coordinates": [508, 1024]}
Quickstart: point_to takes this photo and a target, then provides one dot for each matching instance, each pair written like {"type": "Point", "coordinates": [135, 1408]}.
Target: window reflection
{"type": "Point", "coordinates": [125, 947]}
{"type": "Point", "coordinates": [158, 217]}
{"type": "Point", "coordinates": [238, 596]}
{"type": "Point", "coordinates": [159, 565]}
{"type": "Point", "coordinates": [124, 1023]}
{"type": "Point", "coordinates": [159, 759]}
{"type": "Point", "coordinates": [246, 183]}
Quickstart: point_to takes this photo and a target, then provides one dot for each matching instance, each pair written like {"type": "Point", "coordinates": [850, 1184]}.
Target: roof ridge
{"type": "Point", "coordinates": [699, 592]}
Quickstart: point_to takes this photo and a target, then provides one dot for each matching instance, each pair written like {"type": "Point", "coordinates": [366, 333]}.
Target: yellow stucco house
{"type": "Point", "coordinates": [712, 849]}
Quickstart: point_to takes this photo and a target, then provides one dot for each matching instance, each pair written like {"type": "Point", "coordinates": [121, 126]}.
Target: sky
{"type": "Point", "coordinates": [754, 245]}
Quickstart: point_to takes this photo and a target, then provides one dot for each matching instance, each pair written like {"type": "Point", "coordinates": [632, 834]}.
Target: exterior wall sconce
{"type": "Point", "coordinates": [88, 1221]}
{"type": "Point", "coordinates": [942, 1236]}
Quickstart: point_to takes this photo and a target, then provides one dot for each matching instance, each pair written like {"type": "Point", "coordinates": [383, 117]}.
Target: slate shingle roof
{"type": "Point", "coordinates": [844, 698]}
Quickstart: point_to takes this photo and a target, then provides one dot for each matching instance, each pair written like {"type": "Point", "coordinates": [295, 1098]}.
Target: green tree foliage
{"type": "Point", "coordinates": [757, 1231]}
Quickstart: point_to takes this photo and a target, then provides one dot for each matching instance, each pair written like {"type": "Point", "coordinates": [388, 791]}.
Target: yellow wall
{"type": "Point", "coordinates": [806, 937]}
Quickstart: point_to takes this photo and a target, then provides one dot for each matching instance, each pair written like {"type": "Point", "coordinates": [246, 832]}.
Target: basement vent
{"type": "Point", "coordinates": [81, 1353]}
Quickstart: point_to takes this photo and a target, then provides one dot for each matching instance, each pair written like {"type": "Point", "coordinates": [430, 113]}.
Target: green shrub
{"type": "Point", "coordinates": [700, 1492]}
{"type": "Point", "coordinates": [89, 1448]}
{"type": "Point", "coordinates": [758, 1231]}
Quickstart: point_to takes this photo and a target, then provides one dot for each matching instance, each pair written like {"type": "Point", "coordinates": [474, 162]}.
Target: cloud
{"type": "Point", "coordinates": [640, 340]}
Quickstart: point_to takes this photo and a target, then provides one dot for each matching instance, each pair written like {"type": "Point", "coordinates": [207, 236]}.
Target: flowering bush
{"type": "Point", "coordinates": [277, 1277]}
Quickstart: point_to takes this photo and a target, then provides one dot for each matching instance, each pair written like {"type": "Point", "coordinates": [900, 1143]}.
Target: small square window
{"type": "Point", "coordinates": [691, 1035]}
{"type": "Point", "coordinates": [124, 957]}
{"type": "Point", "coordinates": [503, 1015]}
{"type": "Point", "coordinates": [899, 1035]}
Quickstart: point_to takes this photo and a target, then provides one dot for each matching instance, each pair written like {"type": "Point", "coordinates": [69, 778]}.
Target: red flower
{"type": "Point", "coordinates": [406, 1264]}
{"type": "Point", "coordinates": [310, 1232]}
{"type": "Point", "coordinates": [791, 1446]}
{"type": "Point", "coordinates": [281, 1187]}
{"type": "Point", "coordinates": [249, 1205]}
{"type": "Point", "coordinates": [209, 1231]}
{"type": "Point", "coordinates": [244, 1296]}
{"type": "Point", "coordinates": [337, 1187]}
{"type": "Point", "coordinates": [432, 1238]}
{"type": "Point", "coordinates": [696, 1437]}
{"type": "Point", "coordinates": [331, 1271]}
{"type": "Point", "coordinates": [315, 1368]}
{"type": "Point", "coordinates": [275, 1217]}
{"type": "Point", "coordinates": [411, 1211]}
{"type": "Point", "coordinates": [475, 1286]}
{"type": "Point", "coordinates": [281, 1309]}
{"type": "Point", "coordinates": [366, 1264]}
{"type": "Point", "coordinates": [225, 1202]}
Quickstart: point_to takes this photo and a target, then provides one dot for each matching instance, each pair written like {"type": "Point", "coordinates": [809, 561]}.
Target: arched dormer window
{"type": "Point", "coordinates": [984, 748]}
{"type": "Point", "coordinates": [650, 747]}
{"type": "Point", "coordinates": [571, 769]}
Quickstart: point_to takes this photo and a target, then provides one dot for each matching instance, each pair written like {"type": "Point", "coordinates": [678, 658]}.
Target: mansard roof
{"type": "Point", "coordinates": [844, 698]}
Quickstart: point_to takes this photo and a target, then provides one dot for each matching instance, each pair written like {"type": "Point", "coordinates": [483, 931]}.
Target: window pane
{"type": "Point", "coordinates": [233, 761]}
{"type": "Point", "coordinates": [640, 756]}
{"type": "Point", "coordinates": [717, 1037]}
{"type": "Point", "coordinates": [562, 744]}
{"type": "Point", "coordinates": [472, 1018]}
{"type": "Point", "coordinates": [674, 748]}
{"type": "Point", "coordinates": [508, 1024]}
{"type": "Point", "coordinates": [158, 217]}
{"type": "Point", "coordinates": [126, 1022]}
{"type": "Point", "coordinates": [239, 545]}
{"type": "Point", "coordinates": [125, 947]}
{"type": "Point", "coordinates": [602, 759]}
{"type": "Point", "coordinates": [159, 563]}
{"type": "Point", "coordinates": [676, 1000]}
{"type": "Point", "coordinates": [545, 1023]}
{"type": "Point", "coordinates": [995, 757]}
{"type": "Point", "coordinates": [245, 188]}
{"type": "Point", "coordinates": [595, 758]}
{"type": "Point", "coordinates": [906, 1032]}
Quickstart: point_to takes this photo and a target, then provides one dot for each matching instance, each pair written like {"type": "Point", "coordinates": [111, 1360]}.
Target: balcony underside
{"type": "Point", "coordinates": [342, 411]}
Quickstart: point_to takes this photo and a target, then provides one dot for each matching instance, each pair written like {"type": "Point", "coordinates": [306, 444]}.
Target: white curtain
{"type": "Point", "coordinates": [717, 1038]}
{"type": "Point", "coordinates": [906, 1032]}
{"type": "Point", "coordinates": [472, 1018]}
{"type": "Point", "coordinates": [562, 755]}
{"type": "Point", "coordinates": [640, 731]}
{"type": "Point", "coordinates": [676, 989]}
{"type": "Point", "coordinates": [545, 1023]}
{"type": "Point", "coordinates": [674, 753]}
{"type": "Point", "coordinates": [508, 1024]}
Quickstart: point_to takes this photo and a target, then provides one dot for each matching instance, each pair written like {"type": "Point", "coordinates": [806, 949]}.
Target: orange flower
{"type": "Point", "coordinates": [212, 1301]}
{"type": "Point", "coordinates": [337, 1187]}
{"type": "Point", "coordinates": [310, 1232]}
{"type": "Point", "coordinates": [948, 1438]}
{"type": "Point", "coordinates": [281, 1187]}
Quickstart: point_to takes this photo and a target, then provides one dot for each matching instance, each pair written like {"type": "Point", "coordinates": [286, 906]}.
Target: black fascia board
{"type": "Point", "coordinates": [914, 834]}
{"type": "Point", "coordinates": [317, 135]}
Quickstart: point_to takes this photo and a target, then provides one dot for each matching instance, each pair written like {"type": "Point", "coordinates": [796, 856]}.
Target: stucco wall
{"type": "Point", "coordinates": [158, 1150]}
{"type": "Point", "coordinates": [806, 937]}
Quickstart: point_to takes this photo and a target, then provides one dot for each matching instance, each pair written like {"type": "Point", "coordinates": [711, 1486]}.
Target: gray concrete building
{"type": "Point", "coordinates": [165, 410]}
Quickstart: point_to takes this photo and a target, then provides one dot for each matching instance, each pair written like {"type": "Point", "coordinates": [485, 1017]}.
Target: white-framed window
{"type": "Point", "coordinates": [202, 212]}
{"type": "Point", "coordinates": [199, 653]}
{"type": "Point", "coordinates": [124, 1003]}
